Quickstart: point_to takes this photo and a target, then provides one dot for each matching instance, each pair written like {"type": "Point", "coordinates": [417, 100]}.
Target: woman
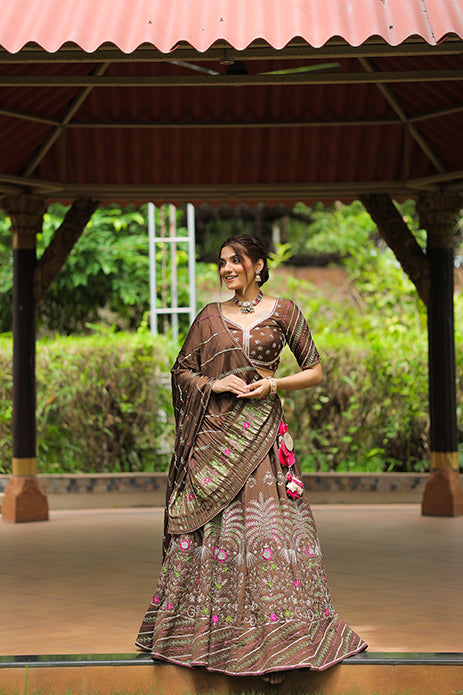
{"type": "Point", "coordinates": [243, 588]}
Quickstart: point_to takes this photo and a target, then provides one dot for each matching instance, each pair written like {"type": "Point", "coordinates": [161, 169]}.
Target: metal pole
{"type": "Point", "coordinates": [152, 263]}
{"type": "Point", "coordinates": [173, 271]}
{"type": "Point", "coordinates": [191, 259]}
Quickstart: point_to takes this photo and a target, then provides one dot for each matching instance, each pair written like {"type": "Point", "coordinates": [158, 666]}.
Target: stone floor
{"type": "Point", "coordinates": [80, 583]}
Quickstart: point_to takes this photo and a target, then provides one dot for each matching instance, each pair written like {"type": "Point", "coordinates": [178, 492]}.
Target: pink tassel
{"type": "Point", "coordinates": [286, 457]}
{"type": "Point", "coordinates": [294, 487]}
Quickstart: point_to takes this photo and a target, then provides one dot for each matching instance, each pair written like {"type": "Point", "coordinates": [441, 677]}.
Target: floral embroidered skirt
{"type": "Point", "coordinates": [247, 593]}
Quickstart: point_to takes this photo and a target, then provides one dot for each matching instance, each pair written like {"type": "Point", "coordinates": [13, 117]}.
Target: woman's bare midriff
{"type": "Point", "coordinates": [265, 373]}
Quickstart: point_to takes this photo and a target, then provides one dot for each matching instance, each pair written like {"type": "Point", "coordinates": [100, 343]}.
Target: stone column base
{"type": "Point", "coordinates": [443, 494]}
{"type": "Point", "coordinates": [24, 500]}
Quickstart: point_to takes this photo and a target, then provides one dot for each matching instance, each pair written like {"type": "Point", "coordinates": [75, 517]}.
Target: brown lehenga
{"type": "Point", "coordinates": [243, 589]}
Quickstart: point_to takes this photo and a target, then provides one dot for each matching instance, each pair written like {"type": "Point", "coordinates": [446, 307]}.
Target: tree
{"type": "Point", "coordinates": [105, 278]}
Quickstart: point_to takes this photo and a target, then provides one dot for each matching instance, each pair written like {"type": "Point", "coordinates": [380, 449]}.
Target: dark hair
{"type": "Point", "coordinates": [251, 246]}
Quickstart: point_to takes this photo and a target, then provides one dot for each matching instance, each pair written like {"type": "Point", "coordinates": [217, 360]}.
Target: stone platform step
{"type": "Point", "coordinates": [111, 674]}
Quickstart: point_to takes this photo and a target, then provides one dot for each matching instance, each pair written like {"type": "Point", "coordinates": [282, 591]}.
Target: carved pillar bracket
{"type": "Point", "coordinates": [443, 495]}
{"type": "Point", "coordinates": [437, 212]}
{"type": "Point", "coordinates": [398, 236]}
{"type": "Point", "coordinates": [24, 499]}
{"type": "Point", "coordinates": [26, 215]}
{"type": "Point", "coordinates": [64, 239]}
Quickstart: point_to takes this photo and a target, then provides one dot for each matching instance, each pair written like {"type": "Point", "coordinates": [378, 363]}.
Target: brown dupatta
{"type": "Point", "coordinates": [220, 439]}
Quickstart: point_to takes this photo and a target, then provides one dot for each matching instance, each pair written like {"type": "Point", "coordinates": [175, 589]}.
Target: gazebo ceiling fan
{"type": "Point", "coordinates": [238, 67]}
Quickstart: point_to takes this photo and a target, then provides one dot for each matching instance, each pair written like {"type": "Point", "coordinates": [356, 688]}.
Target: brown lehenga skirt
{"type": "Point", "coordinates": [247, 593]}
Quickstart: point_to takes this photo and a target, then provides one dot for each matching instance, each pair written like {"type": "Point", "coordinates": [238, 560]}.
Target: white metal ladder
{"type": "Point", "coordinates": [174, 310]}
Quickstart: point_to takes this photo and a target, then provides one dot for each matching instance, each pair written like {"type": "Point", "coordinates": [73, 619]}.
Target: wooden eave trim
{"type": "Point", "coordinates": [225, 192]}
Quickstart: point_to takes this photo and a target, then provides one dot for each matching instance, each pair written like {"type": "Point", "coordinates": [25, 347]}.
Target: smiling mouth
{"type": "Point", "coordinates": [230, 278]}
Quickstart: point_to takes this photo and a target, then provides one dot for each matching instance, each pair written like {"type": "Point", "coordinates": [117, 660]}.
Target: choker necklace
{"type": "Point", "coordinates": [247, 307]}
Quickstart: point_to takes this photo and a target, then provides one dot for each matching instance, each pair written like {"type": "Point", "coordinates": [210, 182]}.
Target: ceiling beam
{"type": "Point", "coordinates": [218, 125]}
{"type": "Point", "coordinates": [23, 115]}
{"type": "Point", "coordinates": [296, 50]}
{"type": "Point", "coordinates": [427, 181]}
{"type": "Point", "coordinates": [438, 113]}
{"type": "Point", "coordinates": [226, 192]}
{"type": "Point", "coordinates": [310, 78]}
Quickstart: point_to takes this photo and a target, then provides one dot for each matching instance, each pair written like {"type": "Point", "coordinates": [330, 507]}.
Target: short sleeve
{"type": "Point", "coordinates": [299, 337]}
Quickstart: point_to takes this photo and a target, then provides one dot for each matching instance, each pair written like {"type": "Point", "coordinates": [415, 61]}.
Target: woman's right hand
{"type": "Point", "coordinates": [232, 384]}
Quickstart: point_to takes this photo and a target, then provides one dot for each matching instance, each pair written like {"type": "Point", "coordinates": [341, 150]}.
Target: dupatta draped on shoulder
{"type": "Point", "coordinates": [220, 439]}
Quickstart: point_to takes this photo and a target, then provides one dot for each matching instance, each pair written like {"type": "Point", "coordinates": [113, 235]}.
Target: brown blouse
{"type": "Point", "coordinates": [264, 341]}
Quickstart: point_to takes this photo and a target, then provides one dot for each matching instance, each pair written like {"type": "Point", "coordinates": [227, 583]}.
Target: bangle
{"type": "Point", "coordinates": [273, 385]}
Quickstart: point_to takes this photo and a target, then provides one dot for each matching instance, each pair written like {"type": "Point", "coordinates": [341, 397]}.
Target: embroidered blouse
{"type": "Point", "coordinates": [264, 341]}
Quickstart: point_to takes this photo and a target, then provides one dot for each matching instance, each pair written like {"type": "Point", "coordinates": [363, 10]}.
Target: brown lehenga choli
{"type": "Point", "coordinates": [243, 589]}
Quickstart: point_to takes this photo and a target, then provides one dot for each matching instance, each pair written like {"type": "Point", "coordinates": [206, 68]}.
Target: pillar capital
{"type": "Point", "coordinates": [26, 213]}
{"type": "Point", "coordinates": [437, 212]}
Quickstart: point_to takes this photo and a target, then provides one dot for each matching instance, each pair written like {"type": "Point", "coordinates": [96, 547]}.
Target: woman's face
{"type": "Point", "coordinates": [236, 274]}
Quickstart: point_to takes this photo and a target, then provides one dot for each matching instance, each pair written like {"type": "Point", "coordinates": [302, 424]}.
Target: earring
{"type": "Point", "coordinates": [257, 276]}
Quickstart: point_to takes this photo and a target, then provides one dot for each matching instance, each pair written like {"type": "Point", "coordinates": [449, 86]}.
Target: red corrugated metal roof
{"type": "Point", "coordinates": [171, 138]}
{"type": "Point", "coordinates": [130, 23]}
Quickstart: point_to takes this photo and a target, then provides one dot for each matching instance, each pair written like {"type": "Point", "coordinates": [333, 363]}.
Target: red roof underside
{"type": "Point", "coordinates": [345, 133]}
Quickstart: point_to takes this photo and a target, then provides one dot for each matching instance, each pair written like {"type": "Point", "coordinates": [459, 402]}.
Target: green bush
{"type": "Point", "coordinates": [103, 403]}
{"type": "Point", "coordinates": [371, 411]}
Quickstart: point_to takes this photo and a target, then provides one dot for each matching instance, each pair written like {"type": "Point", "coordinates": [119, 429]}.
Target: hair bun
{"type": "Point", "coordinates": [253, 247]}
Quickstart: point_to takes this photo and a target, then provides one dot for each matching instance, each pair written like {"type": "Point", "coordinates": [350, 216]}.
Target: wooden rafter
{"type": "Point", "coordinates": [57, 131]}
{"type": "Point", "coordinates": [394, 102]}
{"type": "Point", "coordinates": [223, 80]}
{"type": "Point", "coordinates": [25, 116]}
{"type": "Point", "coordinates": [308, 123]}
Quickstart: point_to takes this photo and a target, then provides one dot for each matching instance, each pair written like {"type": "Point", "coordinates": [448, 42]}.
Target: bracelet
{"type": "Point", "coordinates": [273, 385]}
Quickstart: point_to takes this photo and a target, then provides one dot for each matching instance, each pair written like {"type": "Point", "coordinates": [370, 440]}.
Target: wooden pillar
{"type": "Point", "coordinates": [24, 499]}
{"type": "Point", "coordinates": [443, 495]}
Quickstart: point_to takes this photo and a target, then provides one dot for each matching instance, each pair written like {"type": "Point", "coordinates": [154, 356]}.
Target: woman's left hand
{"type": "Point", "coordinates": [258, 389]}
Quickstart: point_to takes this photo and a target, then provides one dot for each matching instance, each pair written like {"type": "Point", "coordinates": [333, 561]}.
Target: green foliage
{"type": "Point", "coordinates": [6, 275]}
{"type": "Point", "coordinates": [103, 403]}
{"type": "Point", "coordinates": [106, 276]}
{"type": "Point", "coordinates": [106, 271]}
{"type": "Point", "coordinates": [371, 411]}
{"type": "Point", "coordinates": [336, 230]}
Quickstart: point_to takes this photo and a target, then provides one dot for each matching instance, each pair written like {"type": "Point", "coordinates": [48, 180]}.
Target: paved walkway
{"type": "Point", "coordinates": [81, 582]}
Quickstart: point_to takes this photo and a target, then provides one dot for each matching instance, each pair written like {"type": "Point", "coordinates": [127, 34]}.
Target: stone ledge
{"type": "Point", "coordinates": [100, 490]}
{"type": "Point", "coordinates": [383, 674]}
{"type": "Point", "coordinates": [365, 657]}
